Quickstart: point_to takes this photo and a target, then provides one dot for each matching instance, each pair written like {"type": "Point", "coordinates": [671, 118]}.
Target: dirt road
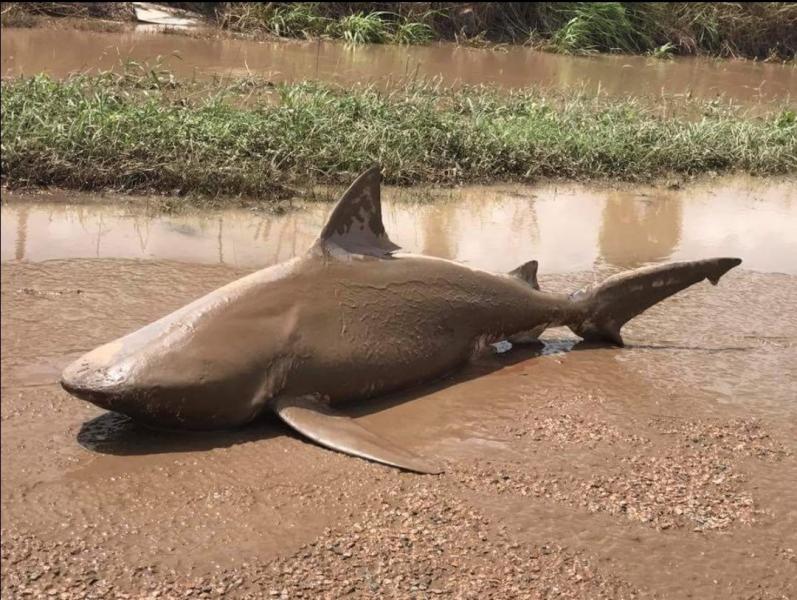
{"type": "Point", "coordinates": [666, 469]}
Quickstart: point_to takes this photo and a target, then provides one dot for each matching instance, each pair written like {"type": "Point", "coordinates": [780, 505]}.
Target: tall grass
{"type": "Point", "coordinates": [310, 19]}
{"type": "Point", "coordinates": [750, 29]}
{"type": "Point", "coordinates": [364, 28]}
{"type": "Point", "coordinates": [297, 19]}
{"type": "Point", "coordinates": [126, 133]}
{"type": "Point", "coordinates": [763, 30]}
{"type": "Point", "coordinates": [300, 19]}
{"type": "Point", "coordinates": [103, 10]}
{"type": "Point", "coordinates": [413, 32]}
{"type": "Point", "coordinates": [600, 26]}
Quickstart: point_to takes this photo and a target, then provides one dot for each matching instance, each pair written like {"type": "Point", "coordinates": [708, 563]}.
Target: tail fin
{"type": "Point", "coordinates": [609, 305]}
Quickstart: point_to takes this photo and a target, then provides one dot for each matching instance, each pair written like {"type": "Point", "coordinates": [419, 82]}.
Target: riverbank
{"type": "Point", "coordinates": [147, 131]}
{"type": "Point", "coordinates": [761, 30]}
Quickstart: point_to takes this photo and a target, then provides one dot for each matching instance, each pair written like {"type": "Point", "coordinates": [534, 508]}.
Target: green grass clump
{"type": "Point", "coordinates": [313, 19]}
{"type": "Point", "coordinates": [295, 19]}
{"type": "Point", "coordinates": [300, 19]}
{"type": "Point", "coordinates": [108, 132]}
{"type": "Point", "coordinates": [663, 52]}
{"type": "Point", "coordinates": [412, 32]}
{"type": "Point", "coordinates": [364, 28]}
{"type": "Point", "coordinates": [600, 27]}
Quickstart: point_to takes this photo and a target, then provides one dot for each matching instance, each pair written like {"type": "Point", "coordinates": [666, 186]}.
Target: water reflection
{"type": "Point", "coordinates": [435, 226]}
{"type": "Point", "coordinates": [566, 227]}
{"type": "Point", "coordinates": [637, 229]}
{"type": "Point", "coordinates": [22, 232]}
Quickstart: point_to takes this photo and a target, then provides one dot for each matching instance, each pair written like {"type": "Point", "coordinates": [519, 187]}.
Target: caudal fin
{"type": "Point", "coordinates": [607, 306]}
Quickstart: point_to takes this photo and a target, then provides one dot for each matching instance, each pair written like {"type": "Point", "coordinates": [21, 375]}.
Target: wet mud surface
{"type": "Point", "coordinates": [60, 52]}
{"type": "Point", "coordinates": [666, 469]}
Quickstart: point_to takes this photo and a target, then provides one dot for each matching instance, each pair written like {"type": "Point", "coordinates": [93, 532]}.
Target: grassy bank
{"type": "Point", "coordinates": [30, 14]}
{"type": "Point", "coordinates": [761, 30]}
{"type": "Point", "coordinates": [750, 29]}
{"type": "Point", "coordinates": [142, 133]}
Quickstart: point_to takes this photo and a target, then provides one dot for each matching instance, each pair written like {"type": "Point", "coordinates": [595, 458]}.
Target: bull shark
{"type": "Point", "coordinates": [350, 319]}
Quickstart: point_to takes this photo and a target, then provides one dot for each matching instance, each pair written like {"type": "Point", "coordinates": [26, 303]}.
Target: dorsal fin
{"type": "Point", "coordinates": [528, 273]}
{"type": "Point", "coordinates": [355, 225]}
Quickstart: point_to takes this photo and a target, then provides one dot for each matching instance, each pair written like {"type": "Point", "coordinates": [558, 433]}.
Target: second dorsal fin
{"type": "Point", "coordinates": [528, 273]}
{"type": "Point", "coordinates": [355, 225]}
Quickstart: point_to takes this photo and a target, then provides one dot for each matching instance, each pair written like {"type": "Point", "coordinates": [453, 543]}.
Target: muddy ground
{"type": "Point", "coordinates": [663, 470]}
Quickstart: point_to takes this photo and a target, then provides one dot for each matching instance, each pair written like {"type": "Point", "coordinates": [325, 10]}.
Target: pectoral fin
{"type": "Point", "coordinates": [321, 424]}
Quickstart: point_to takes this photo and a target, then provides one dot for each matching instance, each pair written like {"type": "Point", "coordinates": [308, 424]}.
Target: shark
{"type": "Point", "coordinates": [350, 319]}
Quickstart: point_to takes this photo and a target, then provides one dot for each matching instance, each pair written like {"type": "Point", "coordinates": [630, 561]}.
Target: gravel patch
{"type": "Point", "coordinates": [698, 491]}
{"type": "Point", "coordinates": [422, 543]}
{"type": "Point", "coordinates": [676, 490]}
{"type": "Point", "coordinates": [745, 437]}
{"type": "Point", "coordinates": [565, 428]}
{"type": "Point", "coordinates": [419, 542]}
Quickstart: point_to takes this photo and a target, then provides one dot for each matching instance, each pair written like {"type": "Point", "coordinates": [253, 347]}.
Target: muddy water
{"type": "Point", "coordinates": [568, 228]}
{"type": "Point", "coordinates": [692, 426]}
{"type": "Point", "coordinates": [29, 51]}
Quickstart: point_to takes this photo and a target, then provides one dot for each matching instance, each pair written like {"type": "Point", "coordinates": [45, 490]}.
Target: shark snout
{"type": "Point", "coordinates": [97, 377]}
{"type": "Point", "coordinates": [144, 392]}
{"type": "Point", "coordinates": [89, 382]}
{"type": "Point", "coordinates": [96, 395]}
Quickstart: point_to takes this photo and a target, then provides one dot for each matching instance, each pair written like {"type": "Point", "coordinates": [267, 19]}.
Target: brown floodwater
{"type": "Point", "coordinates": [690, 431]}
{"type": "Point", "coordinates": [566, 227]}
{"type": "Point", "coordinates": [60, 52]}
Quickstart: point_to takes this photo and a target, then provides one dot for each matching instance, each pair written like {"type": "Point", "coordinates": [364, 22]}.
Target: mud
{"type": "Point", "coordinates": [60, 52]}
{"type": "Point", "coordinates": [665, 469]}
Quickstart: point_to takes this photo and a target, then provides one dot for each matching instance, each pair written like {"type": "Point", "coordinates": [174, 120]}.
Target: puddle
{"type": "Point", "coordinates": [568, 228]}
{"type": "Point", "coordinates": [30, 51]}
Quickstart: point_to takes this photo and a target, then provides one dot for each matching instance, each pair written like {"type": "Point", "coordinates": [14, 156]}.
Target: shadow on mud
{"type": "Point", "coordinates": [113, 433]}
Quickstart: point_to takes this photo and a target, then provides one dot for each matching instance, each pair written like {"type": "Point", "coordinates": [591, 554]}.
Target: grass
{"type": "Point", "coordinates": [97, 16]}
{"type": "Point", "coordinates": [364, 28]}
{"type": "Point", "coordinates": [308, 20]}
{"type": "Point", "coordinates": [600, 27]}
{"type": "Point", "coordinates": [663, 52]}
{"type": "Point", "coordinates": [146, 131]}
{"type": "Point", "coordinates": [413, 32]}
{"type": "Point", "coordinates": [762, 30]}
{"type": "Point", "coordinates": [296, 20]}
{"type": "Point", "coordinates": [23, 14]}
